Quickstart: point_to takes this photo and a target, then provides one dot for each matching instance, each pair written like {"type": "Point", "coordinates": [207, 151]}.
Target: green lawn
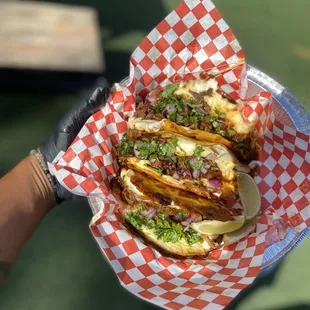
{"type": "Point", "coordinates": [61, 266]}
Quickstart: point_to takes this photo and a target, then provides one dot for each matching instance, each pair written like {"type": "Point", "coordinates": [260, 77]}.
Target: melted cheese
{"type": "Point", "coordinates": [216, 102]}
{"type": "Point", "coordinates": [196, 86]}
{"type": "Point", "coordinates": [146, 125]}
{"type": "Point", "coordinates": [171, 246]}
{"type": "Point", "coordinates": [238, 122]}
{"type": "Point", "coordinates": [186, 147]}
{"type": "Point", "coordinates": [227, 168]}
{"type": "Point", "coordinates": [224, 159]}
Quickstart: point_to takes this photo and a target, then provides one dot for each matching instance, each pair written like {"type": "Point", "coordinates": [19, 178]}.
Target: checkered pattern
{"type": "Point", "coordinates": [171, 283]}
{"type": "Point", "coordinates": [258, 109]}
{"type": "Point", "coordinates": [284, 180]}
{"type": "Point", "coordinates": [192, 41]}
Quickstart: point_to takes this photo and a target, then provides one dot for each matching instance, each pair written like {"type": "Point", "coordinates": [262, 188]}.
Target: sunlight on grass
{"type": "Point", "coordinates": [290, 278]}
{"type": "Point", "coordinates": [302, 52]}
{"type": "Point", "coordinates": [169, 5]}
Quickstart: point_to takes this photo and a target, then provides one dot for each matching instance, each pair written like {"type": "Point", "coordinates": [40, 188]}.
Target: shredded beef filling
{"type": "Point", "coordinates": [146, 111]}
{"type": "Point", "coordinates": [194, 113]}
{"type": "Point", "coordinates": [134, 134]}
{"type": "Point", "coordinates": [184, 213]}
{"type": "Point", "coordinates": [160, 153]}
{"type": "Point", "coordinates": [180, 168]}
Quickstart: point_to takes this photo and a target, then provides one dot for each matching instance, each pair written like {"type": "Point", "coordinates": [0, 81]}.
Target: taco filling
{"type": "Point", "coordinates": [170, 218]}
{"type": "Point", "coordinates": [201, 105]}
{"type": "Point", "coordinates": [204, 168]}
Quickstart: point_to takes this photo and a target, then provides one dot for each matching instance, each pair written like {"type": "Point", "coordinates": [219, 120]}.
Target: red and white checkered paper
{"type": "Point", "coordinates": [192, 41]}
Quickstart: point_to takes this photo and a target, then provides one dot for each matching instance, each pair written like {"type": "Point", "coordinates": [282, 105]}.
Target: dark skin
{"type": "Point", "coordinates": [26, 193]}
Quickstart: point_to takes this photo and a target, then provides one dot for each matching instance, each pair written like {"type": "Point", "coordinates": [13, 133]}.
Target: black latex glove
{"type": "Point", "coordinates": [69, 126]}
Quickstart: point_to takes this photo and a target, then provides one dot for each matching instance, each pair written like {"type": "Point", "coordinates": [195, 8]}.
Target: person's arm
{"type": "Point", "coordinates": [26, 193]}
{"type": "Point", "coordinates": [26, 197]}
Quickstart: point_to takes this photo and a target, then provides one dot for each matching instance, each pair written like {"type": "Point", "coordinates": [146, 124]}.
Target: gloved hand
{"type": "Point", "coordinates": [67, 129]}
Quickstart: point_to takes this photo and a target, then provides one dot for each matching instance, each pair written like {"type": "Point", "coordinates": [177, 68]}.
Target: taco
{"type": "Point", "coordinates": [199, 110]}
{"type": "Point", "coordinates": [177, 222]}
{"type": "Point", "coordinates": [204, 168]}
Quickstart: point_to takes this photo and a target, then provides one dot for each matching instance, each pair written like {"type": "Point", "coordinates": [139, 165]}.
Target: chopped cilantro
{"type": "Point", "coordinates": [220, 113]}
{"type": "Point", "coordinates": [180, 107]}
{"type": "Point", "coordinates": [198, 165]}
{"type": "Point", "coordinates": [153, 156]}
{"type": "Point", "coordinates": [192, 118]}
{"type": "Point", "coordinates": [154, 150]}
{"type": "Point", "coordinates": [167, 97]}
{"type": "Point", "coordinates": [217, 129]}
{"type": "Point", "coordinates": [163, 229]}
{"type": "Point", "coordinates": [210, 118]}
{"type": "Point", "coordinates": [126, 146]}
{"type": "Point", "coordinates": [139, 207]}
{"type": "Point", "coordinates": [160, 106]}
{"type": "Point", "coordinates": [169, 90]}
{"type": "Point", "coordinates": [172, 116]}
{"type": "Point", "coordinates": [230, 133]}
{"type": "Point", "coordinates": [150, 224]}
{"type": "Point", "coordinates": [186, 160]}
{"type": "Point", "coordinates": [195, 116]}
{"type": "Point", "coordinates": [168, 232]}
{"type": "Point", "coordinates": [179, 119]}
{"type": "Point", "coordinates": [181, 214]}
{"type": "Point", "coordinates": [161, 216]}
{"type": "Point", "coordinates": [216, 126]}
{"type": "Point", "coordinates": [135, 219]}
{"type": "Point", "coordinates": [167, 149]}
{"type": "Point", "coordinates": [192, 236]}
{"type": "Point", "coordinates": [147, 148]}
{"type": "Point", "coordinates": [158, 170]}
{"type": "Point", "coordinates": [191, 103]}
{"type": "Point", "coordinates": [198, 150]}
